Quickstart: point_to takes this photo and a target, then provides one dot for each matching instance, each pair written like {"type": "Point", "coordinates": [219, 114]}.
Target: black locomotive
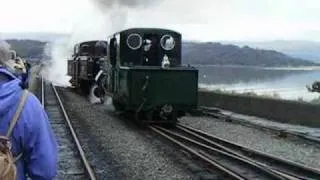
{"type": "Point", "coordinates": [86, 66]}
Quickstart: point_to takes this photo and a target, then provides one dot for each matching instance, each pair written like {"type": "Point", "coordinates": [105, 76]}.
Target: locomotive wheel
{"type": "Point", "coordinates": [96, 95]}
{"type": "Point", "coordinates": [97, 91]}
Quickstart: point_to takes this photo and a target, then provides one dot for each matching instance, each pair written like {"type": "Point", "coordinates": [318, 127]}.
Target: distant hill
{"type": "Point", "coordinates": [29, 49]}
{"type": "Point", "coordinates": [309, 50]}
{"type": "Point", "coordinates": [192, 52]}
{"type": "Point", "coordinates": [38, 36]}
{"type": "Point", "coordinates": [220, 54]}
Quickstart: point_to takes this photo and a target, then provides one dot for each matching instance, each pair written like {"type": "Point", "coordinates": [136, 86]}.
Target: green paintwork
{"type": "Point", "coordinates": [174, 86]}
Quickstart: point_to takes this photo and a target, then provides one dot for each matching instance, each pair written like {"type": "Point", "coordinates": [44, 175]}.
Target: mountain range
{"type": "Point", "coordinates": [38, 36]}
{"type": "Point", "coordinates": [228, 54]}
{"type": "Point", "coordinates": [309, 50]}
{"type": "Point", "coordinates": [266, 53]}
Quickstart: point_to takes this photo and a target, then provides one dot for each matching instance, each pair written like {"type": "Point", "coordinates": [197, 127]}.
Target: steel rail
{"type": "Point", "coordinates": [204, 156]}
{"type": "Point", "coordinates": [299, 170]}
{"type": "Point", "coordinates": [229, 154]}
{"type": "Point", "coordinates": [281, 175]}
{"type": "Point", "coordinates": [75, 138]}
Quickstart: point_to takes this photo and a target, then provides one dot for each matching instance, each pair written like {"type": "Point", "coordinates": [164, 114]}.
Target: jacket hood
{"type": "Point", "coordinates": [10, 91]}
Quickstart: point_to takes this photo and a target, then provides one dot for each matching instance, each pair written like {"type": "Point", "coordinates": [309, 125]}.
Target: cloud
{"type": "Point", "coordinates": [108, 4]}
{"type": "Point", "coordinates": [201, 19]}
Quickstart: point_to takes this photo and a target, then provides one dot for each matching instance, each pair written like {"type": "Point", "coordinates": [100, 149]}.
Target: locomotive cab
{"type": "Point", "coordinates": [145, 75]}
{"type": "Point", "coordinates": [145, 47]}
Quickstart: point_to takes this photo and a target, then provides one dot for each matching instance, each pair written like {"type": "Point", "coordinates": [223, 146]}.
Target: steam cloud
{"type": "Point", "coordinates": [117, 10]}
{"type": "Point", "coordinates": [98, 20]}
{"type": "Point", "coordinates": [107, 4]}
{"type": "Point", "coordinates": [56, 70]}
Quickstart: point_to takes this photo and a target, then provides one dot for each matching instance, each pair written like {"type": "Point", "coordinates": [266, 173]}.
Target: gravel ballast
{"type": "Point", "coordinates": [294, 149]}
{"type": "Point", "coordinates": [118, 149]}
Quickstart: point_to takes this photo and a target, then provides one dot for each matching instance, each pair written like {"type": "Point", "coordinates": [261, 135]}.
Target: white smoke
{"type": "Point", "coordinates": [96, 21]}
{"type": "Point", "coordinates": [99, 19]}
{"type": "Point", "coordinates": [107, 4]}
{"type": "Point", "coordinates": [90, 25]}
{"type": "Point", "coordinates": [55, 70]}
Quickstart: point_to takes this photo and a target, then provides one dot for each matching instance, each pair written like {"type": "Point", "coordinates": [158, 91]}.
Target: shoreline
{"type": "Point", "coordinates": [304, 68]}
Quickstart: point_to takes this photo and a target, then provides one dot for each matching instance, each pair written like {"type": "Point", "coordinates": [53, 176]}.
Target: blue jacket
{"type": "Point", "coordinates": [32, 134]}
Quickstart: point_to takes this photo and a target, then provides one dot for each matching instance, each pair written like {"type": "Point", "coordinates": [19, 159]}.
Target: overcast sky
{"type": "Point", "coordinates": [205, 20]}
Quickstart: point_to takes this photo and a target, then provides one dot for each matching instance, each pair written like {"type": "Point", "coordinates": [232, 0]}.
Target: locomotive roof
{"type": "Point", "coordinates": [145, 30]}
{"type": "Point", "coordinates": [91, 42]}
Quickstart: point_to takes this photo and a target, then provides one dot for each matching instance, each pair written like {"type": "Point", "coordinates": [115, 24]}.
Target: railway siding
{"type": "Point", "coordinates": [294, 149]}
{"type": "Point", "coordinates": [230, 157]}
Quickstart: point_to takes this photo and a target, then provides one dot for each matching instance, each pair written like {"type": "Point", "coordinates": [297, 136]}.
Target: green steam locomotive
{"type": "Point", "coordinates": [144, 75]}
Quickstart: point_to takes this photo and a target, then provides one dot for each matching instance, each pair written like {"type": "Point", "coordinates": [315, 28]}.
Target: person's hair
{"type": "Point", "coordinates": [4, 52]}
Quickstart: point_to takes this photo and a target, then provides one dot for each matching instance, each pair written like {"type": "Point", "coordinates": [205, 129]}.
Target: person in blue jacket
{"type": "Point", "coordinates": [32, 134]}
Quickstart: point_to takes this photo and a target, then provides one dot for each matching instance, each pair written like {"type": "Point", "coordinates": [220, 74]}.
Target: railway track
{"type": "Point", "coordinates": [72, 161]}
{"type": "Point", "coordinates": [232, 160]}
{"type": "Point", "coordinates": [213, 112]}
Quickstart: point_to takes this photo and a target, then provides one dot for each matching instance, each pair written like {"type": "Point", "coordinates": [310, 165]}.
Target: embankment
{"type": "Point", "coordinates": [285, 111]}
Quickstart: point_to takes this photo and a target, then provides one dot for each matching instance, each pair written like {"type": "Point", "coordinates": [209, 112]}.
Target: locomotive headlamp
{"type": "Point", "coordinates": [134, 41]}
{"type": "Point", "coordinates": [167, 42]}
